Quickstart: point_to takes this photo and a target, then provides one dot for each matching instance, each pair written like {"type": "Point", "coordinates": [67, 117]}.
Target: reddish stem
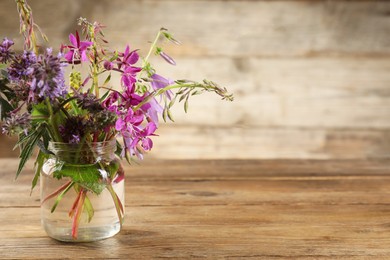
{"type": "Point", "coordinates": [77, 213]}
{"type": "Point", "coordinates": [72, 210]}
{"type": "Point", "coordinates": [56, 192]}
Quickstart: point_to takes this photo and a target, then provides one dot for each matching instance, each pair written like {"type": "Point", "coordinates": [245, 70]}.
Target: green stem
{"type": "Point", "coordinates": [152, 46]}
{"type": "Point", "coordinates": [54, 126]}
{"type": "Point", "coordinates": [117, 202]}
{"type": "Point", "coordinates": [95, 79]}
{"type": "Point", "coordinates": [162, 90]}
{"type": "Point", "coordinates": [80, 147]}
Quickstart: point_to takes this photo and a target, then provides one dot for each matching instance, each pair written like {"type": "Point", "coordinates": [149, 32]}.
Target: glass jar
{"type": "Point", "coordinates": [82, 192]}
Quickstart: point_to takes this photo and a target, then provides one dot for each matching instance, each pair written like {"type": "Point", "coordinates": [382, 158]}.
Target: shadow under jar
{"type": "Point", "coordinates": [82, 191]}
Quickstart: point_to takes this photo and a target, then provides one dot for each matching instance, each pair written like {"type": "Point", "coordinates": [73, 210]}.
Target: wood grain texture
{"type": "Point", "coordinates": [226, 28]}
{"type": "Point", "coordinates": [310, 78]}
{"type": "Point", "coordinates": [223, 210]}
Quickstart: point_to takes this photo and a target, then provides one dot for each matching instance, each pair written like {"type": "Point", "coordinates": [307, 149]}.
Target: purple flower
{"type": "Point", "coordinates": [74, 129]}
{"type": "Point", "coordinates": [108, 65]}
{"type": "Point", "coordinates": [134, 135]}
{"type": "Point", "coordinates": [21, 69]}
{"type": "Point", "coordinates": [160, 82]}
{"type": "Point", "coordinates": [48, 77]}
{"type": "Point", "coordinates": [5, 52]}
{"type": "Point", "coordinates": [134, 143]}
{"type": "Point", "coordinates": [167, 58]}
{"type": "Point", "coordinates": [75, 139]}
{"type": "Point", "coordinates": [78, 49]}
{"type": "Point", "coordinates": [152, 109]}
{"type": "Point", "coordinates": [16, 123]}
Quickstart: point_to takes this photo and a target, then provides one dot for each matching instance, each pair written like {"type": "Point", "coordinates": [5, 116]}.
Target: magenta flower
{"type": "Point", "coordinates": [128, 58]}
{"type": "Point", "coordinates": [136, 138]}
{"type": "Point", "coordinates": [125, 63]}
{"type": "Point", "coordinates": [140, 140]}
{"type": "Point", "coordinates": [129, 122]}
{"type": "Point", "coordinates": [108, 65]}
{"type": "Point", "coordinates": [78, 50]}
{"type": "Point", "coordinates": [129, 76]}
{"type": "Point", "coordinates": [110, 101]}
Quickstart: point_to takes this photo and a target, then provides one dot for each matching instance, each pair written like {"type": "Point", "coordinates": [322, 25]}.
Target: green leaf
{"type": "Point", "coordinates": [38, 167]}
{"type": "Point", "coordinates": [5, 108]}
{"type": "Point", "coordinates": [119, 149]}
{"type": "Point", "coordinates": [172, 102]}
{"type": "Point", "coordinates": [104, 96]}
{"type": "Point", "coordinates": [28, 147]}
{"type": "Point", "coordinates": [86, 175]}
{"type": "Point", "coordinates": [89, 208]}
{"type": "Point", "coordinates": [170, 115]}
{"type": "Point", "coordinates": [186, 104]}
{"type": "Point", "coordinates": [40, 112]}
{"type": "Point", "coordinates": [112, 168]}
{"type": "Point", "coordinates": [107, 80]}
{"type": "Point", "coordinates": [164, 114]}
{"type": "Point", "coordinates": [117, 202]}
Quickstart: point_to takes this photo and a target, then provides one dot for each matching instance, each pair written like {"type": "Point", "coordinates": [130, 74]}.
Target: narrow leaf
{"type": "Point", "coordinates": [89, 208]}
{"type": "Point", "coordinates": [170, 115]}
{"type": "Point", "coordinates": [59, 197]}
{"type": "Point", "coordinates": [164, 115]}
{"type": "Point", "coordinates": [38, 167]}
{"type": "Point", "coordinates": [28, 149]}
{"type": "Point", "coordinates": [107, 80]}
{"type": "Point", "coordinates": [186, 104]}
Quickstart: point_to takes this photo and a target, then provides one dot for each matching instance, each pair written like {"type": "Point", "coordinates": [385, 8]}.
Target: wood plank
{"type": "Point", "coordinates": [265, 231]}
{"type": "Point", "coordinates": [271, 182]}
{"type": "Point", "coordinates": [190, 142]}
{"type": "Point", "coordinates": [224, 28]}
{"type": "Point", "coordinates": [205, 142]}
{"type": "Point", "coordinates": [314, 92]}
{"type": "Point", "coordinates": [163, 220]}
{"type": "Point", "coordinates": [254, 28]}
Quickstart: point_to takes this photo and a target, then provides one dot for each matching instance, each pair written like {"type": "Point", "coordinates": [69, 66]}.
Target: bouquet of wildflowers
{"type": "Point", "coordinates": [41, 104]}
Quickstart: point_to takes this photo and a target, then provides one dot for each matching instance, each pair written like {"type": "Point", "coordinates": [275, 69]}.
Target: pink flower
{"type": "Point", "coordinates": [127, 58]}
{"type": "Point", "coordinates": [136, 137]}
{"type": "Point", "coordinates": [78, 50]}
{"type": "Point", "coordinates": [125, 63]}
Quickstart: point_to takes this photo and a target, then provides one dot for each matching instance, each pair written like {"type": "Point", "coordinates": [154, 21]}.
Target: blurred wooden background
{"type": "Point", "coordinates": [311, 78]}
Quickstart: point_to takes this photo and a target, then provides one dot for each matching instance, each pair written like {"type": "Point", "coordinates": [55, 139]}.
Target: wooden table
{"type": "Point", "coordinates": [222, 209]}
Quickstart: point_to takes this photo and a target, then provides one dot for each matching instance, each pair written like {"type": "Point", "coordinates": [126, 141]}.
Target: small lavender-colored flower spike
{"type": "Point", "coordinates": [167, 58]}
{"type": "Point", "coordinates": [21, 68]}
{"type": "Point", "coordinates": [5, 52]}
{"type": "Point", "coordinates": [48, 77]}
{"type": "Point", "coordinates": [16, 123]}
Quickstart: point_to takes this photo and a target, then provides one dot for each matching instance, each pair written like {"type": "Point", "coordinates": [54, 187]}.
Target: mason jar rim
{"type": "Point", "coordinates": [103, 145]}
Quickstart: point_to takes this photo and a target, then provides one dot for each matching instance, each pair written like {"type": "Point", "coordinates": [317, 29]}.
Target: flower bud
{"type": "Point", "coordinates": [108, 65]}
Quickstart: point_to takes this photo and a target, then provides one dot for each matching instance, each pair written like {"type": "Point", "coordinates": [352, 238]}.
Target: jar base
{"type": "Point", "coordinates": [88, 234]}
